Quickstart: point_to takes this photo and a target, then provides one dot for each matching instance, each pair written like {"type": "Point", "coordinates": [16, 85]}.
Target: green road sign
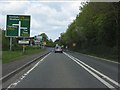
{"type": "Point", "coordinates": [18, 26]}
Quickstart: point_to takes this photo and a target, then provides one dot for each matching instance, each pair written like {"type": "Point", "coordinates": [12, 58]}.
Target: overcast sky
{"type": "Point", "coordinates": [51, 18]}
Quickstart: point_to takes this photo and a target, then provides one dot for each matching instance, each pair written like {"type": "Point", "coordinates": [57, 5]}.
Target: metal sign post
{"type": "Point", "coordinates": [17, 26]}
{"type": "Point", "coordinates": [10, 43]}
{"type": "Point", "coordinates": [23, 43]}
{"type": "Point", "coordinates": [23, 48]}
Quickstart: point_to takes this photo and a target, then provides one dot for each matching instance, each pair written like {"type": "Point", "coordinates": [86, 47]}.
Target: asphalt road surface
{"type": "Point", "coordinates": [69, 70]}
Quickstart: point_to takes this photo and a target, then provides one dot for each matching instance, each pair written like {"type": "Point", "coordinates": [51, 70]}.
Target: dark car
{"type": "Point", "coordinates": [58, 49]}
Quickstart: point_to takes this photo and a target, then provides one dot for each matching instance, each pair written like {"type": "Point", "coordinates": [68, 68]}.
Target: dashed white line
{"type": "Point", "coordinates": [23, 76]}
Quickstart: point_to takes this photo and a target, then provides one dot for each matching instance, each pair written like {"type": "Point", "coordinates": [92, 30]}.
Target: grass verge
{"type": "Point", "coordinates": [9, 56]}
{"type": "Point", "coordinates": [106, 53]}
{"type": "Point", "coordinates": [109, 57]}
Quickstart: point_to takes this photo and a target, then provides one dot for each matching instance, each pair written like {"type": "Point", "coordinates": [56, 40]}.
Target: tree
{"type": "Point", "coordinates": [95, 27]}
{"type": "Point", "coordinates": [44, 37]}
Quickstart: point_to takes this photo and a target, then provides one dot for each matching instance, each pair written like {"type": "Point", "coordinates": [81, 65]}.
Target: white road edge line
{"type": "Point", "coordinates": [111, 80]}
{"type": "Point", "coordinates": [95, 75]}
{"type": "Point", "coordinates": [23, 76]}
{"type": "Point", "coordinates": [101, 58]}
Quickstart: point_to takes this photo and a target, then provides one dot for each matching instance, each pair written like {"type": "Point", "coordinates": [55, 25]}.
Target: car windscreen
{"type": "Point", "coordinates": [57, 47]}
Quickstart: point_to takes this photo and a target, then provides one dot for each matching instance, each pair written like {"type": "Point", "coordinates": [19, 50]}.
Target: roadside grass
{"type": "Point", "coordinates": [9, 56]}
{"type": "Point", "coordinates": [109, 57]}
{"type": "Point", "coordinates": [106, 53]}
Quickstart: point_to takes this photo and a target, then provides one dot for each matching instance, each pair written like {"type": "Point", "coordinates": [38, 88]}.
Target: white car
{"type": "Point", "coordinates": [58, 49]}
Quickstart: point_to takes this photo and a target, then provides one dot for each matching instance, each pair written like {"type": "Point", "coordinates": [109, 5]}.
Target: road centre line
{"type": "Point", "coordinates": [91, 72]}
{"type": "Point", "coordinates": [25, 74]}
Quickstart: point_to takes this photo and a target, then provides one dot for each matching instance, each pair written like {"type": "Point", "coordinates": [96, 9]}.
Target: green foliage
{"type": "Point", "coordinates": [44, 37]}
{"type": "Point", "coordinates": [95, 28]}
{"type": "Point", "coordinates": [49, 42]}
{"type": "Point", "coordinates": [16, 46]}
{"type": "Point", "coordinates": [5, 41]}
{"type": "Point", "coordinates": [9, 56]}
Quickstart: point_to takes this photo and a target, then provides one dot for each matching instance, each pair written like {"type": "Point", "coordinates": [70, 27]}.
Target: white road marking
{"type": "Point", "coordinates": [100, 58]}
{"type": "Point", "coordinates": [111, 80]}
{"type": "Point", "coordinates": [91, 72]}
{"type": "Point", "coordinates": [23, 76]}
{"type": "Point", "coordinates": [16, 69]}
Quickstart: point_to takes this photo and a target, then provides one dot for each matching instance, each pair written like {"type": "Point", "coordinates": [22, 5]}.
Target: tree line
{"type": "Point", "coordinates": [95, 30]}
{"type": "Point", "coordinates": [15, 46]}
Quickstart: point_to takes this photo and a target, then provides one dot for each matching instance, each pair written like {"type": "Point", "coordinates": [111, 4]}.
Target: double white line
{"type": "Point", "coordinates": [95, 73]}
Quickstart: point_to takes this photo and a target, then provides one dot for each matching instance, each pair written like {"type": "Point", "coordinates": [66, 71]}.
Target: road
{"type": "Point", "coordinates": [69, 70]}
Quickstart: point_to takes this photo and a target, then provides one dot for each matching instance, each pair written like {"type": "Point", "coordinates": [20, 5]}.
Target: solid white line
{"type": "Point", "coordinates": [111, 80]}
{"type": "Point", "coordinates": [23, 76]}
{"type": "Point", "coordinates": [101, 58]}
{"type": "Point", "coordinates": [95, 75]}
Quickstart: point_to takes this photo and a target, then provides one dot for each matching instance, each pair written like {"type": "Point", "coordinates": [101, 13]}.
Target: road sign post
{"type": "Point", "coordinates": [23, 48]}
{"type": "Point", "coordinates": [17, 26]}
{"type": "Point", "coordinates": [10, 43]}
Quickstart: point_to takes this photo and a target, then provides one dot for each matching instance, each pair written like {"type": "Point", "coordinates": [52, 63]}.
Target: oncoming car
{"type": "Point", "coordinates": [58, 49]}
